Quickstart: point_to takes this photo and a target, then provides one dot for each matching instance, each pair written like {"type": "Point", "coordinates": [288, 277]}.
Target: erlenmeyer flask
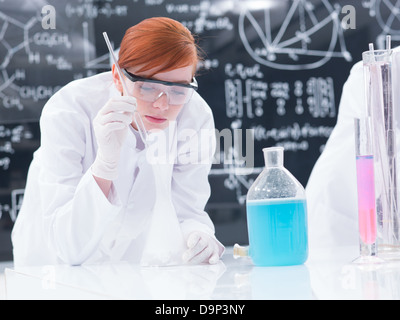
{"type": "Point", "coordinates": [165, 242]}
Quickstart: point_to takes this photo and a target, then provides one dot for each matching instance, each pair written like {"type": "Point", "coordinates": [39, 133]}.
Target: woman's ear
{"type": "Point", "coordinates": [117, 80]}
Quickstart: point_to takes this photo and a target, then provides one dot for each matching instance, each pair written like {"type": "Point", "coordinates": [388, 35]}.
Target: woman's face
{"type": "Point", "coordinates": [158, 114]}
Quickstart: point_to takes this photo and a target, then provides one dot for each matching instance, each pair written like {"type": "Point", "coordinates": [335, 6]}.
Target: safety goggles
{"type": "Point", "coordinates": [151, 90]}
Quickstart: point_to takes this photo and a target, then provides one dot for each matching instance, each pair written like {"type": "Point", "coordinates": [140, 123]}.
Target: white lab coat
{"type": "Point", "coordinates": [332, 186]}
{"type": "Point", "coordinates": [65, 217]}
{"type": "Point", "coordinates": [331, 189]}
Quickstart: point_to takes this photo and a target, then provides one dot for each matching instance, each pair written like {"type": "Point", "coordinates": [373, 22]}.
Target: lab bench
{"type": "Point", "coordinates": [328, 274]}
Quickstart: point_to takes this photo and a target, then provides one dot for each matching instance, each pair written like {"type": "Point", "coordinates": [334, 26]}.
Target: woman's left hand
{"type": "Point", "coordinates": [201, 248]}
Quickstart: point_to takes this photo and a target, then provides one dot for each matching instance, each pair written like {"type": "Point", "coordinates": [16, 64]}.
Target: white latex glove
{"type": "Point", "coordinates": [111, 127]}
{"type": "Point", "coordinates": [201, 248]}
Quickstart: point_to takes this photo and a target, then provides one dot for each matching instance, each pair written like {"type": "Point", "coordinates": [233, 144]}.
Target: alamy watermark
{"type": "Point", "coordinates": [48, 17]}
{"type": "Point", "coordinates": [348, 21]}
{"type": "Point", "coordinates": [207, 146]}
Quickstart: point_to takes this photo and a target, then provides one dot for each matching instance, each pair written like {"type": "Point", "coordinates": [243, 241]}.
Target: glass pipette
{"type": "Point", "coordinates": [136, 116]}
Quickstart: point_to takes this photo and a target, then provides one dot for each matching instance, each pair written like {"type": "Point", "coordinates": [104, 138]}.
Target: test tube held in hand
{"type": "Point", "coordinates": [136, 116]}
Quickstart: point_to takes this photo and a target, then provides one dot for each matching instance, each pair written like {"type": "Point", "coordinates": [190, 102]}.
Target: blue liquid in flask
{"type": "Point", "coordinates": [278, 233]}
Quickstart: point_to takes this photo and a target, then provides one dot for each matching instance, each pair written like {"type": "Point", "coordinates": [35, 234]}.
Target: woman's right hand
{"type": "Point", "coordinates": [111, 127]}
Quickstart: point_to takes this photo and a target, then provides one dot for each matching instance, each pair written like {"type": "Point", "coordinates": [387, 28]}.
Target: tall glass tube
{"type": "Point", "coordinates": [379, 98]}
{"type": "Point", "coordinates": [365, 191]}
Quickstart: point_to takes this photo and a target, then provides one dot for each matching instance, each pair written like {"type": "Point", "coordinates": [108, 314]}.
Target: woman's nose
{"type": "Point", "coordinates": [161, 102]}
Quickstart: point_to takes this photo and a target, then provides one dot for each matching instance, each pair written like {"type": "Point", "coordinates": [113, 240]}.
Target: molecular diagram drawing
{"type": "Point", "coordinates": [8, 49]}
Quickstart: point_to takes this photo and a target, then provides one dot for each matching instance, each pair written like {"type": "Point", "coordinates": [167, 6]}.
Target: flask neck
{"type": "Point", "coordinates": [273, 157]}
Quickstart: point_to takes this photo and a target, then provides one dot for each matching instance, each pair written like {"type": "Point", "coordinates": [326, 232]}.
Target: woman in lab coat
{"type": "Point", "coordinates": [89, 193]}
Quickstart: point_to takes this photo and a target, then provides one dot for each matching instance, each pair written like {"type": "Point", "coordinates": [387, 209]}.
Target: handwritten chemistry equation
{"type": "Point", "coordinates": [11, 138]}
{"type": "Point", "coordinates": [247, 97]}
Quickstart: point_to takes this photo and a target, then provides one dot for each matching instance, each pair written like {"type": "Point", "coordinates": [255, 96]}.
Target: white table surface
{"type": "Point", "coordinates": [328, 274]}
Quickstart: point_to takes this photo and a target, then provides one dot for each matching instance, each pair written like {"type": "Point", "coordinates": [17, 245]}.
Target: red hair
{"type": "Point", "coordinates": [162, 44]}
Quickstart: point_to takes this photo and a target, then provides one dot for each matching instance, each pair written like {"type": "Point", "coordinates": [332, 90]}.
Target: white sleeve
{"type": "Point", "coordinates": [75, 211]}
{"type": "Point", "coordinates": [190, 186]}
{"type": "Point", "coordinates": [331, 189]}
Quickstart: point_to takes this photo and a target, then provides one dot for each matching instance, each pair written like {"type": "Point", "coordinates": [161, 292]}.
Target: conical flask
{"type": "Point", "coordinates": [277, 215]}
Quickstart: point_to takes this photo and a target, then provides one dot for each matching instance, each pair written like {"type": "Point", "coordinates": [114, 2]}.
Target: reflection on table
{"type": "Point", "coordinates": [328, 274]}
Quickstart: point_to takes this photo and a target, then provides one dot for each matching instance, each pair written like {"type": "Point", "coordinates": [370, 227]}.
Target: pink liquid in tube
{"type": "Point", "coordinates": [366, 198]}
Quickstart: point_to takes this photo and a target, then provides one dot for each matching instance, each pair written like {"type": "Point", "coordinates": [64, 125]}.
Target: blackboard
{"type": "Point", "coordinates": [275, 66]}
